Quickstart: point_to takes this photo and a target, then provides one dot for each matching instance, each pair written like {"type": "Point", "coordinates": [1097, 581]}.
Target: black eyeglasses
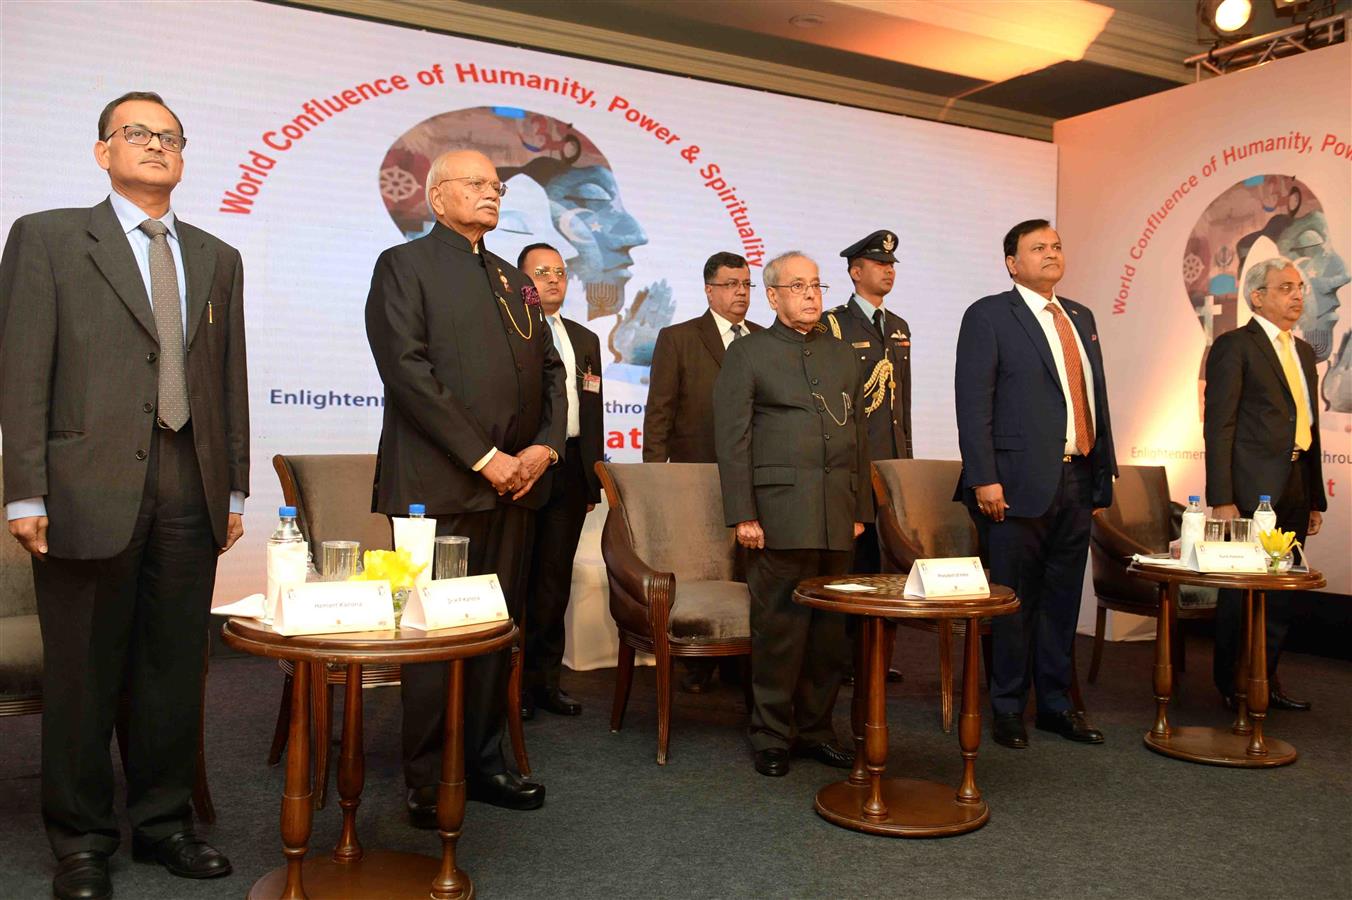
{"type": "Point", "coordinates": [139, 136]}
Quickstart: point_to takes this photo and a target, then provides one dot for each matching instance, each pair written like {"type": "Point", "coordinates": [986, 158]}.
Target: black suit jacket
{"type": "Point", "coordinates": [1011, 409]}
{"type": "Point", "coordinates": [784, 456]}
{"type": "Point", "coordinates": [459, 378]}
{"type": "Point", "coordinates": [678, 422]}
{"type": "Point", "coordinates": [591, 406]}
{"type": "Point", "coordinates": [1250, 421]}
{"type": "Point", "coordinates": [79, 379]}
{"type": "Point", "coordinates": [889, 425]}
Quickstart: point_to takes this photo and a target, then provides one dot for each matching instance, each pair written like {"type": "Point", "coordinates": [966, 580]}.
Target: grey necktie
{"type": "Point", "coordinates": [736, 331]}
{"type": "Point", "coordinates": [173, 391]}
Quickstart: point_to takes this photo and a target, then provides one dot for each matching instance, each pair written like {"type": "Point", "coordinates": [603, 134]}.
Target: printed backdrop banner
{"type": "Point", "coordinates": [310, 136]}
{"type": "Point", "coordinates": [1165, 202]}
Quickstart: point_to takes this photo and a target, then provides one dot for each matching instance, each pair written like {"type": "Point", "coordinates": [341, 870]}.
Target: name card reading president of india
{"type": "Point", "coordinates": [957, 577]}
{"type": "Point", "coordinates": [334, 607]}
{"type": "Point", "coordinates": [453, 602]}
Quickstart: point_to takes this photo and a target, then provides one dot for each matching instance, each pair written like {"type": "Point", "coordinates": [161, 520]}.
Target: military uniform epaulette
{"type": "Point", "coordinates": [832, 322]}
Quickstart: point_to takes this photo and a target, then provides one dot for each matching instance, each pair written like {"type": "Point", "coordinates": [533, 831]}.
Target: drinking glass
{"type": "Point", "coordinates": [338, 560]}
{"type": "Point", "coordinates": [1241, 530]}
{"type": "Point", "coordinates": [1215, 530]}
{"type": "Point", "coordinates": [450, 557]}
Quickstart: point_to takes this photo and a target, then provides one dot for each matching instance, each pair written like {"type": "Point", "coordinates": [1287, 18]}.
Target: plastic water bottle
{"type": "Point", "coordinates": [417, 511]}
{"type": "Point", "coordinates": [288, 532]}
{"type": "Point", "coordinates": [1193, 527]}
{"type": "Point", "coordinates": [1264, 518]}
{"type": "Point", "coordinates": [287, 559]}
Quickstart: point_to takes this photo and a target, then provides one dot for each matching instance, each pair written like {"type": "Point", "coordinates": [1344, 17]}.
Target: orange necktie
{"type": "Point", "coordinates": [1084, 439]}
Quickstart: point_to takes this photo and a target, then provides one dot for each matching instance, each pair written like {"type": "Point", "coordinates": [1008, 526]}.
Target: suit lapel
{"type": "Point", "coordinates": [1024, 316]}
{"type": "Point", "coordinates": [1267, 352]}
{"type": "Point", "coordinates": [1305, 353]}
{"type": "Point", "coordinates": [708, 333]}
{"type": "Point", "coordinates": [199, 265]}
{"type": "Point", "coordinates": [112, 254]}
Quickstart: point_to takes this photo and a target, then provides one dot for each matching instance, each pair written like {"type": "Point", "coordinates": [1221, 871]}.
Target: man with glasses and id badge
{"type": "Point", "coordinates": [575, 490]}
{"type": "Point", "coordinates": [793, 461]}
{"type": "Point", "coordinates": [1262, 437]}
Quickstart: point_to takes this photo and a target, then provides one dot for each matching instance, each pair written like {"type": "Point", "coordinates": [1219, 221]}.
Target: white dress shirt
{"type": "Point", "coordinates": [565, 348]}
{"type": "Point", "coordinates": [1274, 335]}
{"type": "Point", "coordinates": [725, 328]}
{"type": "Point", "coordinates": [1038, 304]}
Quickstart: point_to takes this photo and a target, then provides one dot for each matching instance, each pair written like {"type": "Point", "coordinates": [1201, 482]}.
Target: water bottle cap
{"type": "Point", "coordinates": [417, 509]}
{"type": "Point", "coordinates": [1194, 498]}
{"type": "Point", "coordinates": [287, 512]}
{"type": "Point", "coordinates": [1264, 498]}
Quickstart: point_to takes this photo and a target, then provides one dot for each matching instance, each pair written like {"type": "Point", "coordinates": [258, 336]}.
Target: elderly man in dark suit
{"type": "Point", "coordinates": [793, 461]}
{"type": "Point", "coordinates": [475, 412]}
{"type": "Point", "coordinates": [678, 421]}
{"type": "Point", "coordinates": [575, 490]}
{"type": "Point", "coordinates": [1037, 459]}
{"type": "Point", "coordinates": [1262, 437]}
{"type": "Point", "coordinates": [125, 415]}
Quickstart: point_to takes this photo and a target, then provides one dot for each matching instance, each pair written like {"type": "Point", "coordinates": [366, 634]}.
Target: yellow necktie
{"type": "Point", "coordinates": [1293, 381]}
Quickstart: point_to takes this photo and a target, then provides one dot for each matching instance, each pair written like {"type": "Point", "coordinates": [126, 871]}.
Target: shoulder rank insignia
{"type": "Point", "coordinates": [835, 326]}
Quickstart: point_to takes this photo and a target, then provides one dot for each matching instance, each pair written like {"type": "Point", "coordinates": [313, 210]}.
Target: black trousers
{"type": "Point", "coordinates": [499, 542]}
{"type": "Point", "coordinates": [798, 653]}
{"type": "Point", "coordinates": [137, 620]}
{"type": "Point", "coordinates": [1043, 559]}
{"type": "Point", "coordinates": [1293, 514]}
{"type": "Point", "coordinates": [558, 527]}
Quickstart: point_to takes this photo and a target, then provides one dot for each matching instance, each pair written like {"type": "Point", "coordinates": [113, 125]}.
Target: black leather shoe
{"type": "Point", "coordinates": [82, 876]}
{"type": "Point", "coordinates": [184, 854]}
{"type": "Point", "coordinates": [773, 761]}
{"type": "Point", "coordinates": [527, 707]}
{"type": "Point", "coordinates": [828, 754]}
{"type": "Point", "coordinates": [698, 678]}
{"type": "Point", "coordinates": [1279, 700]}
{"type": "Point", "coordinates": [557, 702]}
{"type": "Point", "coordinates": [1008, 731]}
{"type": "Point", "coordinates": [506, 790]}
{"type": "Point", "coordinates": [1071, 725]}
{"type": "Point", "coordinates": [422, 807]}
{"type": "Point", "coordinates": [894, 676]}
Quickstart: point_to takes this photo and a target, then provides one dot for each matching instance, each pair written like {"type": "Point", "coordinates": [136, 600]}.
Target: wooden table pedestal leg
{"type": "Point", "coordinates": [859, 705]}
{"type": "Point", "coordinates": [451, 882]}
{"type": "Point", "coordinates": [1258, 680]}
{"type": "Point", "coordinates": [351, 769]}
{"type": "Point", "coordinates": [875, 726]}
{"type": "Point", "coordinates": [969, 725]}
{"type": "Point", "coordinates": [296, 797]}
{"type": "Point", "coordinates": [1164, 662]}
{"type": "Point", "coordinates": [1243, 725]}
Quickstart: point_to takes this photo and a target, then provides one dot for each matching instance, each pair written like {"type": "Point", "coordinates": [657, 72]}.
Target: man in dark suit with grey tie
{"type": "Point", "coordinates": [575, 489]}
{"type": "Point", "coordinates": [678, 421]}
{"type": "Point", "coordinates": [1037, 460]}
{"type": "Point", "coordinates": [125, 416]}
{"type": "Point", "coordinates": [475, 412]}
{"type": "Point", "coordinates": [1262, 437]}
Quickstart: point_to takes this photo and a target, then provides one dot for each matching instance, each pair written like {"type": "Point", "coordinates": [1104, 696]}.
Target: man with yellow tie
{"type": "Point", "coordinates": [1262, 437]}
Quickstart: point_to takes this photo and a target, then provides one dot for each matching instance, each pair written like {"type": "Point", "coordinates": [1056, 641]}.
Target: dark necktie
{"type": "Point", "coordinates": [736, 331]}
{"type": "Point", "coordinates": [1084, 439]}
{"type": "Point", "coordinates": [173, 387]}
{"type": "Point", "coordinates": [878, 315]}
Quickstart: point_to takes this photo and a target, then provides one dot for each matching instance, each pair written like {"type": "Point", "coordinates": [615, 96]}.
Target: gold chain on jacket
{"type": "Point", "coordinates": [530, 323]}
{"type": "Point", "coordinates": [875, 389]}
{"type": "Point", "coordinates": [846, 407]}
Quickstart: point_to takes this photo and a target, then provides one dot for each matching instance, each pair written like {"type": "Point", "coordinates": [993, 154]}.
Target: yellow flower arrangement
{"type": "Point", "coordinates": [1277, 544]}
{"type": "Point", "coordinates": [394, 566]}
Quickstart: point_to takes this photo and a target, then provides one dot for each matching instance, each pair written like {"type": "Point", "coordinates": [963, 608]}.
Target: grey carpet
{"type": "Point", "coordinates": [1067, 820]}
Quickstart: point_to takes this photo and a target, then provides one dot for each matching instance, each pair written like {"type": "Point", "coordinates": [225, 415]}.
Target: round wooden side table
{"type": "Point", "coordinates": [867, 800]}
{"type": "Point", "coordinates": [353, 872]}
{"type": "Point", "coordinates": [1243, 744]}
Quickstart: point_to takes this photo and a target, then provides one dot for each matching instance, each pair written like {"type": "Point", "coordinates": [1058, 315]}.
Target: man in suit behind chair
{"type": "Point", "coordinates": [575, 490]}
{"type": "Point", "coordinates": [1262, 437]}
{"type": "Point", "coordinates": [793, 462]}
{"type": "Point", "coordinates": [126, 455]}
{"type": "Point", "coordinates": [1037, 459]}
{"type": "Point", "coordinates": [475, 413]}
{"type": "Point", "coordinates": [678, 421]}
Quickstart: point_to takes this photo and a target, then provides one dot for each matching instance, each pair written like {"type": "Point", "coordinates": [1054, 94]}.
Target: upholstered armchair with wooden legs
{"type": "Point", "coordinates": [1142, 519]}
{"type": "Point", "coordinates": [332, 497]}
{"type": "Point", "coordinates": [918, 519]}
{"type": "Point", "coordinates": [21, 663]}
{"type": "Point", "coordinates": [673, 568]}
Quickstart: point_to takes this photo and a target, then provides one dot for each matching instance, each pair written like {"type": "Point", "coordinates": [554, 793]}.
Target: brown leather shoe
{"type": "Point", "coordinates": [184, 854]}
{"type": "Point", "coordinates": [82, 876]}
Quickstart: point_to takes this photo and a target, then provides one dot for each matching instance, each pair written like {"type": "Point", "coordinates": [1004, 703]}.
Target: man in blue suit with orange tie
{"type": "Point", "coordinates": [1037, 460]}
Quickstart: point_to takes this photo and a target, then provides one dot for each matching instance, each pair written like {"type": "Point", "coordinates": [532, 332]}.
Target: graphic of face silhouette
{"type": "Point", "coordinates": [587, 210]}
{"type": "Point", "coordinates": [1306, 240]}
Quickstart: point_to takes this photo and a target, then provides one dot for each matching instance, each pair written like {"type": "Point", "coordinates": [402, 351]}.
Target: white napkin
{"type": "Point", "coordinates": [850, 586]}
{"type": "Point", "coordinates": [250, 607]}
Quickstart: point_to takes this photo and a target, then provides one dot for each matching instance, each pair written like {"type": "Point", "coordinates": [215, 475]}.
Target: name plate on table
{"type": "Point", "coordinates": [335, 607]}
{"type": "Point", "coordinates": [959, 576]}
{"type": "Point", "coordinates": [1227, 556]}
{"type": "Point", "coordinates": [452, 602]}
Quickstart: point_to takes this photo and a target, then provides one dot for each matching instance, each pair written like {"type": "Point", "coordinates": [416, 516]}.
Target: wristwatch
{"type": "Point", "coordinates": [553, 455]}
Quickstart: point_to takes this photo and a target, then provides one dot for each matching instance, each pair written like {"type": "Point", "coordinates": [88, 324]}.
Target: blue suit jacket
{"type": "Point", "coordinates": [1011, 410]}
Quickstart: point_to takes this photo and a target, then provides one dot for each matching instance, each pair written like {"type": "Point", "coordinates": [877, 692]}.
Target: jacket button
{"type": "Point", "coordinates": [520, 367]}
{"type": "Point", "coordinates": [149, 407]}
{"type": "Point", "coordinates": [814, 381]}
{"type": "Point", "coordinates": [828, 468]}
{"type": "Point", "coordinates": [150, 357]}
{"type": "Point", "coordinates": [826, 437]}
{"type": "Point", "coordinates": [140, 454]}
{"type": "Point", "coordinates": [807, 352]}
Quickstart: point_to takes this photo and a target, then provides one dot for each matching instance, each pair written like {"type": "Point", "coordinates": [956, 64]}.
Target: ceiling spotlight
{"type": "Point", "coordinates": [1232, 15]}
{"type": "Point", "coordinates": [806, 20]}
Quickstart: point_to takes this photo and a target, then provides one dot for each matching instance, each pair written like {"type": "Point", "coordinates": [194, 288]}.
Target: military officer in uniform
{"type": "Point", "coordinates": [793, 460]}
{"type": "Point", "coordinates": [881, 341]}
